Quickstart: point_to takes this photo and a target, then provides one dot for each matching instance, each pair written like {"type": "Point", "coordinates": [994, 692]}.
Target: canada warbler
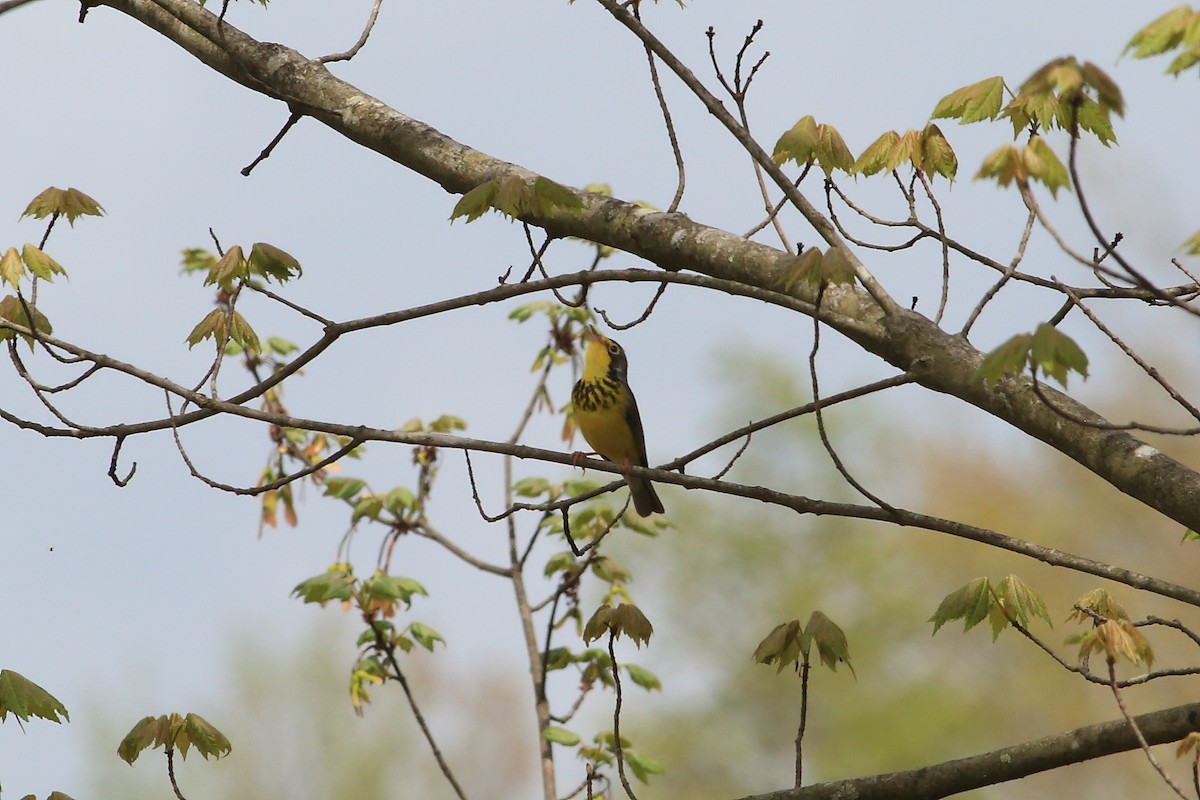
{"type": "Point", "coordinates": [608, 415]}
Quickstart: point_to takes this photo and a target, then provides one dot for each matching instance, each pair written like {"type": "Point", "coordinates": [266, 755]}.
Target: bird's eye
{"type": "Point", "coordinates": [614, 348]}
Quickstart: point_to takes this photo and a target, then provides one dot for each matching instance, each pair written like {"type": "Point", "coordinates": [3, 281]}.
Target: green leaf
{"type": "Point", "coordinates": [241, 332]}
{"type": "Point", "coordinates": [271, 262]}
{"type": "Point", "coordinates": [643, 766]}
{"type": "Point", "coordinates": [1020, 603]}
{"type": "Point", "coordinates": [1057, 354]}
{"type": "Point", "coordinates": [40, 264]}
{"type": "Point", "coordinates": [783, 645]}
{"type": "Point", "coordinates": [562, 736]}
{"type": "Point", "coordinates": [214, 326]}
{"type": "Point", "coordinates": [24, 699]}
{"type": "Point", "coordinates": [394, 587]}
{"type": "Point", "coordinates": [228, 270]}
{"type": "Point", "coordinates": [1099, 602]}
{"type": "Point", "coordinates": [970, 603]}
{"type": "Point", "coordinates": [560, 562]}
{"type": "Point", "coordinates": [344, 488]}
{"type": "Point", "coordinates": [70, 203]}
{"type": "Point", "coordinates": [531, 487]}
{"type": "Point", "coordinates": [549, 198]}
{"type": "Point", "coordinates": [643, 677]}
{"type": "Point", "coordinates": [336, 583]}
{"type": "Point", "coordinates": [399, 500]}
{"type": "Point", "coordinates": [202, 735]}
{"type": "Point", "coordinates": [475, 203]}
{"type": "Point", "coordinates": [425, 635]}
{"type": "Point", "coordinates": [1115, 639]}
{"type": "Point", "coordinates": [13, 310]}
{"type": "Point", "coordinates": [807, 142]}
{"type": "Point", "coordinates": [448, 423]}
{"type": "Point", "coordinates": [624, 619]}
{"type": "Point", "coordinates": [1009, 358]}
{"type": "Point", "coordinates": [140, 736]}
{"type": "Point", "coordinates": [937, 156]}
{"type": "Point", "coordinates": [974, 103]}
{"type": "Point", "coordinates": [12, 269]}
{"type": "Point", "coordinates": [1161, 35]}
{"type": "Point", "coordinates": [1042, 164]}
{"type": "Point", "coordinates": [197, 259]}
{"type": "Point", "coordinates": [368, 506]}
{"type": "Point", "coordinates": [830, 640]}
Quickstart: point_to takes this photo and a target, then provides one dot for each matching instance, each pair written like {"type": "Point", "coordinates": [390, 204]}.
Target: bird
{"type": "Point", "coordinates": [608, 415]}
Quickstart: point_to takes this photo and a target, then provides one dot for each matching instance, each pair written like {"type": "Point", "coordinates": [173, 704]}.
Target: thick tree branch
{"type": "Point", "coordinates": [1006, 764]}
{"type": "Point", "coordinates": [909, 341]}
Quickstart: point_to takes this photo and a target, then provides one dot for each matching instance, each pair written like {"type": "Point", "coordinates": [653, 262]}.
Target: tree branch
{"type": "Point", "coordinates": [909, 341]}
{"type": "Point", "coordinates": [1005, 764]}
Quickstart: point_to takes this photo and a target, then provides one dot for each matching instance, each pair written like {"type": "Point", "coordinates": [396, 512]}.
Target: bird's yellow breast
{"type": "Point", "coordinates": [601, 408]}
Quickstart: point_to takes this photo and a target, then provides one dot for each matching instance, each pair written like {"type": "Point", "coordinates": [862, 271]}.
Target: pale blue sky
{"type": "Point", "coordinates": [134, 592]}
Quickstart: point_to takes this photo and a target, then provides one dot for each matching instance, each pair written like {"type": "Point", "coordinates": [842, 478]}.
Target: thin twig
{"type": "Point", "coordinates": [617, 748]}
{"type": "Point", "coordinates": [670, 125]}
{"type": "Point", "coordinates": [1137, 731]}
{"type": "Point", "coordinates": [389, 652]}
{"type": "Point", "coordinates": [292, 119]}
{"type": "Point", "coordinates": [362, 39]}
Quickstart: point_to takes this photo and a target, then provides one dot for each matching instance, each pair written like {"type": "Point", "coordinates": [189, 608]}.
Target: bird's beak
{"type": "Point", "coordinates": [590, 334]}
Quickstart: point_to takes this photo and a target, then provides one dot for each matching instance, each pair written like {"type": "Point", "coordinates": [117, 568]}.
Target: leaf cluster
{"type": "Point", "coordinates": [515, 197]}
{"type": "Point", "coordinates": [790, 644]}
{"type": "Point", "coordinates": [1178, 29]}
{"type": "Point", "coordinates": [174, 732]}
{"type": "Point", "coordinates": [1002, 604]}
{"type": "Point", "coordinates": [1047, 349]}
{"type": "Point", "coordinates": [23, 699]}
{"type": "Point", "coordinates": [624, 619]}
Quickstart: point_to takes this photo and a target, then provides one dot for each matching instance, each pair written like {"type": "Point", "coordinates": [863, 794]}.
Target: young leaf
{"type": "Point", "coordinates": [1161, 35]}
{"type": "Point", "coordinates": [40, 264]}
{"type": "Point", "coordinates": [271, 262]}
{"type": "Point", "coordinates": [1020, 602]}
{"type": "Point", "coordinates": [624, 619]}
{"type": "Point", "coordinates": [973, 103]}
{"type": "Point", "coordinates": [336, 583]}
{"type": "Point", "coordinates": [228, 270]}
{"type": "Point", "coordinates": [70, 203]}
{"type": "Point", "coordinates": [13, 310]}
{"type": "Point", "coordinates": [1041, 164]}
{"type": "Point", "coordinates": [207, 740]}
{"type": "Point", "coordinates": [562, 736]}
{"type": "Point", "coordinates": [241, 332]}
{"type": "Point", "coordinates": [781, 645]}
{"type": "Point", "coordinates": [877, 157]}
{"type": "Point", "coordinates": [475, 203]}
{"type": "Point", "coordinates": [425, 635]}
{"type": "Point", "coordinates": [1057, 354]}
{"type": "Point", "coordinates": [937, 156]}
{"type": "Point", "coordinates": [643, 677]}
{"type": "Point", "coordinates": [12, 269]}
{"type": "Point", "coordinates": [970, 603]}
{"type": "Point", "coordinates": [1009, 358]}
{"type": "Point", "coordinates": [214, 326]}
{"type": "Point", "coordinates": [830, 640]}
{"type": "Point", "coordinates": [643, 766]}
{"type": "Point", "coordinates": [549, 197]}
{"type": "Point", "coordinates": [1005, 164]}
{"type": "Point", "coordinates": [1099, 602]}
{"type": "Point", "coordinates": [24, 699]}
{"type": "Point", "coordinates": [807, 142]}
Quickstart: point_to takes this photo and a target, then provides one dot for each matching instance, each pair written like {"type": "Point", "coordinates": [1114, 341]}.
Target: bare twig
{"type": "Point", "coordinates": [671, 136]}
{"type": "Point", "coordinates": [292, 119]}
{"type": "Point", "coordinates": [1137, 731]}
{"type": "Point", "coordinates": [362, 39]}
